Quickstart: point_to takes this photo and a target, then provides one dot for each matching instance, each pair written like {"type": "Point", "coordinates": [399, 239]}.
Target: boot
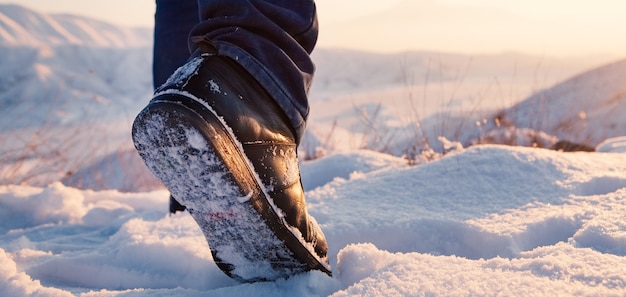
{"type": "Point", "coordinates": [227, 152]}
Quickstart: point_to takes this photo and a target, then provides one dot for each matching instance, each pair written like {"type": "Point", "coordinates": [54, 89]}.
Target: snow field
{"type": "Point", "coordinates": [482, 221]}
{"type": "Point", "coordinates": [514, 221]}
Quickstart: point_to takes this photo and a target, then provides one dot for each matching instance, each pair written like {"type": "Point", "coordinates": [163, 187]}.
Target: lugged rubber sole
{"type": "Point", "coordinates": [246, 236]}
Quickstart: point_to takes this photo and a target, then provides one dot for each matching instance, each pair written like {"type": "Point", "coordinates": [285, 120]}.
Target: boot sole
{"type": "Point", "coordinates": [197, 157]}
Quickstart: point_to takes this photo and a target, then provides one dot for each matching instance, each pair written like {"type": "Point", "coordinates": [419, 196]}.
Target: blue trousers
{"type": "Point", "coordinates": [271, 39]}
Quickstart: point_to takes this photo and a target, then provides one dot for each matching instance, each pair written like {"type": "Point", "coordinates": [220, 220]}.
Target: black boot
{"type": "Point", "coordinates": [227, 152]}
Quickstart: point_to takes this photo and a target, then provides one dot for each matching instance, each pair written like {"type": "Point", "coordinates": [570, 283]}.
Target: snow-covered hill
{"type": "Point", "coordinates": [585, 109]}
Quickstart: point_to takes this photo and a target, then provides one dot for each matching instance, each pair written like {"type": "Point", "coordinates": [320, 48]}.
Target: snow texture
{"type": "Point", "coordinates": [480, 221]}
{"type": "Point", "coordinates": [490, 219]}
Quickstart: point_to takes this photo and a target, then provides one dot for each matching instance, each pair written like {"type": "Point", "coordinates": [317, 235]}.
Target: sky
{"type": "Point", "coordinates": [545, 27]}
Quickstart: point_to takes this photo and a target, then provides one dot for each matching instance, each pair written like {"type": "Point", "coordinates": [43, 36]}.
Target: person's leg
{"type": "Point", "coordinates": [221, 133]}
{"type": "Point", "coordinates": [173, 20]}
{"type": "Point", "coordinates": [272, 40]}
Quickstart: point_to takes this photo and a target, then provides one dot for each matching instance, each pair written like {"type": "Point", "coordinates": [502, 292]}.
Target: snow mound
{"type": "Point", "coordinates": [559, 270]}
{"type": "Point", "coordinates": [443, 202]}
{"type": "Point", "coordinates": [345, 165]}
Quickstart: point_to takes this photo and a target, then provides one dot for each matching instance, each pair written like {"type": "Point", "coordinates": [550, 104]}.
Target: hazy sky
{"type": "Point", "coordinates": [548, 27]}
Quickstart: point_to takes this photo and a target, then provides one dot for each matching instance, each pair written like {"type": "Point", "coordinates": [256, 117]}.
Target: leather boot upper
{"type": "Point", "coordinates": [259, 125]}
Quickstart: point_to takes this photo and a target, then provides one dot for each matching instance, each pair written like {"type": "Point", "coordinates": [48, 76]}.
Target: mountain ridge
{"type": "Point", "coordinates": [21, 26]}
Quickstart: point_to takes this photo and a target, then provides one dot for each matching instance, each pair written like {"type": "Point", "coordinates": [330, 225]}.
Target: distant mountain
{"type": "Point", "coordinates": [69, 87]}
{"type": "Point", "coordinates": [20, 26]}
{"type": "Point", "coordinates": [61, 69]}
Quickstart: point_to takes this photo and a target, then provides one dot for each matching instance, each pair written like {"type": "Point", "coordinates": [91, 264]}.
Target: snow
{"type": "Point", "coordinates": [457, 220]}
{"type": "Point", "coordinates": [488, 219]}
